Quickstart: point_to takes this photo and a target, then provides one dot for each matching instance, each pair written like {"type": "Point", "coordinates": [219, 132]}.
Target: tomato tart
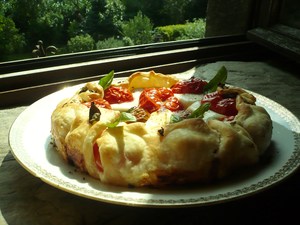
{"type": "Point", "coordinates": [151, 129]}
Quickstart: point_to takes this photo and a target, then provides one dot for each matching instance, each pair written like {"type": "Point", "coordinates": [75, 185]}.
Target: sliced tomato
{"type": "Point", "coordinates": [151, 99]}
{"type": "Point", "coordinates": [193, 86]}
{"type": "Point", "coordinates": [219, 104]}
{"type": "Point", "coordinates": [173, 104]}
{"type": "Point", "coordinates": [97, 157]}
{"type": "Point", "coordinates": [117, 94]}
{"type": "Point", "coordinates": [213, 98]}
{"type": "Point", "coordinates": [226, 106]}
{"type": "Point", "coordinates": [164, 93]}
{"type": "Point", "coordinates": [101, 103]}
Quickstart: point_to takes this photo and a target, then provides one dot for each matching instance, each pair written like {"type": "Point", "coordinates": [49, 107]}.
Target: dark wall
{"type": "Point", "coordinates": [228, 17]}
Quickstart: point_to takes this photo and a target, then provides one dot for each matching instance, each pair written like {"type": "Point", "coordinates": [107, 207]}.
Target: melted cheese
{"type": "Point", "coordinates": [125, 106]}
{"type": "Point", "coordinates": [188, 99]}
{"type": "Point", "coordinates": [185, 99]}
{"type": "Point", "coordinates": [190, 102]}
{"type": "Point", "coordinates": [159, 118]}
{"type": "Point", "coordinates": [208, 115]}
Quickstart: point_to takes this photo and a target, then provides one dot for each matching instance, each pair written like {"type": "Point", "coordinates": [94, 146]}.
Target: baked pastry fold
{"type": "Point", "coordinates": [158, 152]}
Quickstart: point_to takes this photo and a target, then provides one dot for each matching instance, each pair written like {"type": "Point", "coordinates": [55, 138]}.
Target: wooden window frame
{"type": "Point", "coordinates": [270, 32]}
{"type": "Point", "coordinates": [23, 82]}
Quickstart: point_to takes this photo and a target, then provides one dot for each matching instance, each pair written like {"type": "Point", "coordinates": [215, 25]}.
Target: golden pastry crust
{"type": "Point", "coordinates": [157, 152]}
{"type": "Point", "coordinates": [256, 120]}
{"type": "Point", "coordinates": [129, 154]}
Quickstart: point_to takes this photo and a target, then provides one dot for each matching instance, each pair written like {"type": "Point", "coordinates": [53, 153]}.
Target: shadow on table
{"type": "Point", "coordinates": [27, 200]}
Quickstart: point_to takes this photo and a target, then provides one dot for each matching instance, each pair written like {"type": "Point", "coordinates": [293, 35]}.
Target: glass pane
{"type": "Point", "coordinates": [38, 28]}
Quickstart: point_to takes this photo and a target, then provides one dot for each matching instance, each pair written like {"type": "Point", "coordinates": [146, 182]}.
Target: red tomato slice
{"type": "Point", "coordinates": [193, 86]}
{"type": "Point", "coordinates": [213, 98]}
{"type": "Point", "coordinates": [173, 104]}
{"type": "Point", "coordinates": [102, 103]}
{"type": "Point", "coordinates": [117, 94]}
{"type": "Point", "coordinates": [224, 106]}
{"type": "Point", "coordinates": [151, 99]}
{"type": "Point", "coordinates": [97, 158]}
{"type": "Point", "coordinates": [164, 93]}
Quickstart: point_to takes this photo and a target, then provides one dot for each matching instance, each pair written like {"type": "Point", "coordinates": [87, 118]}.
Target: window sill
{"type": "Point", "coordinates": [168, 58]}
{"type": "Point", "coordinates": [280, 38]}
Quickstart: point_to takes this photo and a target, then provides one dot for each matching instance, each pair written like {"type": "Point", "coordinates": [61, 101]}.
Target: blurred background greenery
{"type": "Point", "coordinates": [82, 25]}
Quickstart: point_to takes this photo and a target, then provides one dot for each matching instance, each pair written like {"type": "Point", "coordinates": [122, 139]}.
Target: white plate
{"type": "Point", "coordinates": [30, 142]}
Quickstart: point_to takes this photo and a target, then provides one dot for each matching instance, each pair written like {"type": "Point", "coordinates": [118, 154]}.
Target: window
{"type": "Point", "coordinates": [37, 28]}
{"type": "Point", "coordinates": [278, 27]}
{"type": "Point", "coordinates": [37, 77]}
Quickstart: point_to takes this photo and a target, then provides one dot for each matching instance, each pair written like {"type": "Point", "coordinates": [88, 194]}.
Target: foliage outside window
{"type": "Point", "coordinates": [84, 25]}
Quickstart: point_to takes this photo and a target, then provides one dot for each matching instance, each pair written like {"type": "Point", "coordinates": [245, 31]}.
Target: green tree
{"type": "Point", "coordinates": [39, 18]}
{"type": "Point", "coordinates": [10, 38]}
{"type": "Point", "coordinates": [105, 18]}
{"type": "Point", "coordinates": [151, 9]}
{"type": "Point", "coordinates": [174, 11]}
{"type": "Point", "coordinates": [139, 29]}
{"type": "Point", "coordinates": [81, 43]}
{"type": "Point", "coordinates": [25, 14]}
{"type": "Point", "coordinates": [166, 12]}
{"type": "Point", "coordinates": [55, 22]}
{"type": "Point", "coordinates": [110, 43]}
{"type": "Point", "coordinates": [195, 29]}
{"type": "Point", "coordinates": [64, 19]}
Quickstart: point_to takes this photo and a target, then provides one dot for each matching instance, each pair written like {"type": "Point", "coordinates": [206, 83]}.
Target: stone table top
{"type": "Point", "coordinates": [26, 200]}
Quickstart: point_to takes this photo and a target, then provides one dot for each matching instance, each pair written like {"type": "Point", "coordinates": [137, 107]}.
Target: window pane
{"type": "Point", "coordinates": [38, 28]}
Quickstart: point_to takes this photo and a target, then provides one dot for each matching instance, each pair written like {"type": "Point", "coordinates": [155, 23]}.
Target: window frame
{"type": "Point", "coordinates": [270, 32]}
{"type": "Point", "coordinates": [64, 59]}
{"type": "Point", "coordinates": [28, 80]}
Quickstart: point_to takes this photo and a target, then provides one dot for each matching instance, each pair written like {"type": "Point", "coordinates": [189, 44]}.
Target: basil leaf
{"type": "Point", "coordinates": [113, 124]}
{"type": "Point", "coordinates": [124, 117]}
{"type": "Point", "coordinates": [199, 112]}
{"type": "Point", "coordinates": [219, 78]}
{"type": "Point", "coordinates": [94, 114]}
{"type": "Point", "coordinates": [127, 117]}
{"type": "Point", "coordinates": [175, 118]}
{"type": "Point", "coordinates": [106, 81]}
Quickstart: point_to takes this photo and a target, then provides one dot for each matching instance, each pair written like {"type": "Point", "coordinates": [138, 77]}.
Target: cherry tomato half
{"type": "Point", "coordinates": [226, 107]}
{"type": "Point", "coordinates": [101, 103]}
{"type": "Point", "coordinates": [117, 94]}
{"type": "Point", "coordinates": [151, 99]}
{"type": "Point", "coordinates": [219, 104]}
{"type": "Point", "coordinates": [193, 86]}
{"type": "Point", "coordinates": [173, 104]}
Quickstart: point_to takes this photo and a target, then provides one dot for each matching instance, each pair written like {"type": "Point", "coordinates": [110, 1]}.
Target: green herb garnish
{"type": "Point", "coordinates": [199, 112]}
{"type": "Point", "coordinates": [175, 118]}
{"type": "Point", "coordinates": [94, 114]}
{"type": "Point", "coordinates": [106, 81]}
{"type": "Point", "coordinates": [124, 117]}
{"type": "Point", "coordinates": [218, 79]}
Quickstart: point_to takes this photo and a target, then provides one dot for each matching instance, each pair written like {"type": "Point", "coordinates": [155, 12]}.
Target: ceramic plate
{"type": "Point", "coordinates": [30, 142]}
